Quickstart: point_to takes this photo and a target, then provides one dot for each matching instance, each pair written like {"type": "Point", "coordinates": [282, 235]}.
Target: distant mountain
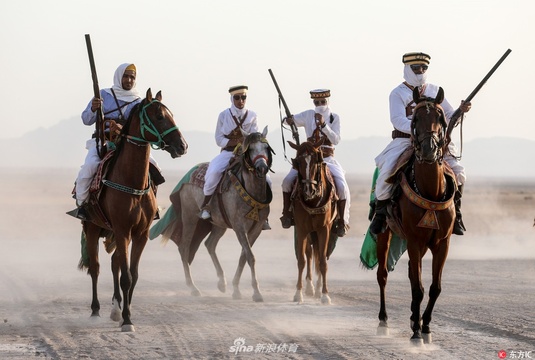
{"type": "Point", "coordinates": [62, 146]}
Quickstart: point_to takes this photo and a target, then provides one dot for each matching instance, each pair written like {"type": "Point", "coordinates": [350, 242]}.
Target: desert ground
{"type": "Point", "coordinates": [486, 305]}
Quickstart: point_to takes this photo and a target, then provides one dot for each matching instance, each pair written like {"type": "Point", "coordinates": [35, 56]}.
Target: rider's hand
{"type": "Point", "coordinates": [319, 120]}
{"type": "Point", "coordinates": [465, 106]}
{"type": "Point", "coordinates": [96, 104]}
{"type": "Point", "coordinates": [289, 120]}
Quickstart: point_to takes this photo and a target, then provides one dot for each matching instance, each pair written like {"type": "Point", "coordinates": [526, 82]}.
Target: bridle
{"type": "Point", "coordinates": [250, 164]}
{"type": "Point", "coordinates": [313, 184]}
{"type": "Point", "coordinates": [146, 125]}
{"type": "Point", "coordinates": [436, 138]}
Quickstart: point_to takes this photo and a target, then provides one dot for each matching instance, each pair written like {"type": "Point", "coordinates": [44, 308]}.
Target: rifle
{"type": "Point", "coordinates": [99, 131]}
{"type": "Point", "coordinates": [295, 132]}
{"type": "Point", "coordinates": [457, 114]}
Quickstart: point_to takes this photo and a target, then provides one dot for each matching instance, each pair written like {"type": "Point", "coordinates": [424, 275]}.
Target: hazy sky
{"type": "Point", "coordinates": [194, 50]}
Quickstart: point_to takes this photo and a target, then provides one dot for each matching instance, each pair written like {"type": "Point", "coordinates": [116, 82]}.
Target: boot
{"type": "Point", "coordinates": [156, 175]}
{"type": "Point", "coordinates": [378, 222]}
{"type": "Point", "coordinates": [286, 219]}
{"type": "Point", "coordinates": [205, 210]}
{"type": "Point", "coordinates": [341, 227]}
{"type": "Point", "coordinates": [266, 225]}
{"type": "Point", "coordinates": [80, 213]}
{"type": "Point", "coordinates": [458, 226]}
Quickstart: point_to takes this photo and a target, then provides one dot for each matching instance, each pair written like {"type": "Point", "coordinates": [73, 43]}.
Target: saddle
{"type": "Point", "coordinates": [330, 183]}
{"type": "Point", "coordinates": [92, 205]}
{"type": "Point", "coordinates": [400, 179]}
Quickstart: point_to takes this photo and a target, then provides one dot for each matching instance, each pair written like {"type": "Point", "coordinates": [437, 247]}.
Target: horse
{"type": "Point", "coordinates": [423, 214]}
{"type": "Point", "coordinates": [314, 212]}
{"type": "Point", "coordinates": [240, 203]}
{"type": "Point", "coordinates": [128, 202]}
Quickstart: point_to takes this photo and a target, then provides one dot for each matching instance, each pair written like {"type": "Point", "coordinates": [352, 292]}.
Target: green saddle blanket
{"type": "Point", "coordinates": [368, 252]}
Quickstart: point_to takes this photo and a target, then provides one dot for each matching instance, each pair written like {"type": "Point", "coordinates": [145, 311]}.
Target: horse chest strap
{"type": "Point", "coordinates": [125, 189]}
{"type": "Point", "coordinates": [249, 200]}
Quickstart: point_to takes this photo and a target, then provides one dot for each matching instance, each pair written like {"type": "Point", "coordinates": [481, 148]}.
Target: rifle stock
{"type": "Point", "coordinates": [295, 132]}
{"type": "Point", "coordinates": [457, 114]}
{"type": "Point", "coordinates": [99, 131]}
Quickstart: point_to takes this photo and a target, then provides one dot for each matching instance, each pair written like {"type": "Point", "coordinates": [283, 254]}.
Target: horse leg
{"type": "Point", "coordinates": [383, 247]}
{"type": "Point", "coordinates": [211, 244]}
{"type": "Point", "coordinates": [92, 237]}
{"type": "Point", "coordinates": [321, 259]}
{"type": "Point", "coordinates": [301, 249]}
{"type": "Point", "coordinates": [125, 279]}
{"type": "Point", "coordinates": [184, 248]}
{"type": "Point", "coordinates": [138, 245]}
{"type": "Point", "coordinates": [417, 291]}
{"type": "Point", "coordinates": [117, 297]}
{"type": "Point", "coordinates": [439, 259]}
{"type": "Point", "coordinates": [309, 287]}
{"type": "Point", "coordinates": [247, 254]}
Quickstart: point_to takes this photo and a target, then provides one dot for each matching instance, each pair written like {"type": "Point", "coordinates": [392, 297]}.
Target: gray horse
{"type": "Point", "coordinates": [241, 203]}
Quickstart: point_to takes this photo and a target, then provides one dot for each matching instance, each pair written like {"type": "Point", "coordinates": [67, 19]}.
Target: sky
{"type": "Point", "coordinates": [193, 51]}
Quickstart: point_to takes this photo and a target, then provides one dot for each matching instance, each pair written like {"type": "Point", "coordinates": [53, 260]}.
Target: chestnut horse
{"type": "Point", "coordinates": [423, 215]}
{"type": "Point", "coordinates": [241, 203]}
{"type": "Point", "coordinates": [314, 211]}
{"type": "Point", "coordinates": [128, 202]}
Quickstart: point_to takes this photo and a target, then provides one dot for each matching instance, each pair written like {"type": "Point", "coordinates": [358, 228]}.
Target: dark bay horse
{"type": "Point", "coordinates": [128, 202]}
{"type": "Point", "coordinates": [314, 212]}
{"type": "Point", "coordinates": [423, 215]}
{"type": "Point", "coordinates": [240, 203]}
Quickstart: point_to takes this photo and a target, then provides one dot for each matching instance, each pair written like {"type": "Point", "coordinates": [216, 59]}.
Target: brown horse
{"type": "Point", "coordinates": [314, 212]}
{"type": "Point", "coordinates": [128, 202]}
{"type": "Point", "coordinates": [423, 215]}
{"type": "Point", "coordinates": [240, 203]}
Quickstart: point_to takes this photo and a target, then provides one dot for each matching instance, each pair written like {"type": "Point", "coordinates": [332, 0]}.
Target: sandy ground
{"type": "Point", "coordinates": [486, 304]}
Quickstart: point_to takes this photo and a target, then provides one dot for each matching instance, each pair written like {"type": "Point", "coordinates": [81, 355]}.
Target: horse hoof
{"type": "Point", "coordinates": [222, 286]}
{"type": "Point", "coordinates": [195, 292]}
{"type": "Point", "coordinates": [236, 295]}
{"type": "Point", "coordinates": [383, 329]}
{"type": "Point", "coordinates": [298, 297]}
{"type": "Point", "coordinates": [128, 328]}
{"type": "Point", "coordinates": [325, 299]}
{"type": "Point", "coordinates": [417, 341]}
{"type": "Point", "coordinates": [428, 339]}
{"type": "Point", "coordinates": [258, 298]}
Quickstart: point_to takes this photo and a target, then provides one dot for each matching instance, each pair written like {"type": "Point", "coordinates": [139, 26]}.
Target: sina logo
{"type": "Point", "coordinates": [239, 346]}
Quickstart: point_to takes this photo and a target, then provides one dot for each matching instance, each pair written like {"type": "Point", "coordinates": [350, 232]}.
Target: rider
{"type": "Point", "coordinates": [116, 102]}
{"type": "Point", "coordinates": [227, 136]}
{"type": "Point", "coordinates": [328, 124]}
{"type": "Point", "coordinates": [401, 110]}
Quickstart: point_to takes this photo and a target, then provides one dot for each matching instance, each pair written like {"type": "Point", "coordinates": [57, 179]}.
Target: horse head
{"type": "Point", "coordinates": [157, 126]}
{"type": "Point", "coordinates": [256, 152]}
{"type": "Point", "coordinates": [428, 127]}
{"type": "Point", "coordinates": [309, 164]}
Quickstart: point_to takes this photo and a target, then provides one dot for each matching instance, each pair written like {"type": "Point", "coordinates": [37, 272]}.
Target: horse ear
{"type": "Point", "coordinates": [294, 146]}
{"type": "Point", "coordinates": [264, 132]}
{"type": "Point", "coordinates": [440, 96]}
{"type": "Point", "coordinates": [149, 95]}
{"type": "Point", "coordinates": [416, 95]}
{"type": "Point", "coordinates": [159, 95]}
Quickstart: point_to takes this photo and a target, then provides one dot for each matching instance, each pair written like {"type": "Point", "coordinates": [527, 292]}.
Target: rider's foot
{"type": "Point", "coordinates": [458, 227]}
{"type": "Point", "coordinates": [266, 225]}
{"type": "Point", "coordinates": [205, 214]}
{"type": "Point", "coordinates": [376, 227]}
{"type": "Point", "coordinates": [286, 222]}
{"type": "Point", "coordinates": [341, 228]}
